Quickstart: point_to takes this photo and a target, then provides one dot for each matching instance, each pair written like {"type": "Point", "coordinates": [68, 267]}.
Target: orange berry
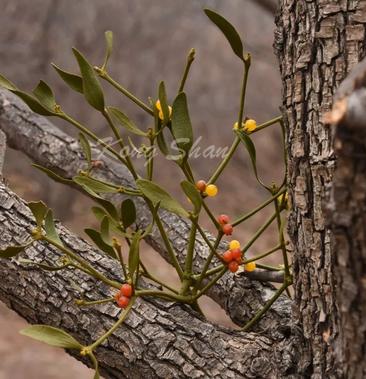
{"type": "Point", "coordinates": [126, 290]}
{"type": "Point", "coordinates": [227, 229]}
{"type": "Point", "coordinates": [223, 219]}
{"type": "Point", "coordinates": [233, 266]}
{"type": "Point", "coordinates": [236, 254]}
{"type": "Point", "coordinates": [201, 185]}
{"type": "Point", "coordinates": [123, 301]}
{"type": "Point", "coordinates": [227, 256]}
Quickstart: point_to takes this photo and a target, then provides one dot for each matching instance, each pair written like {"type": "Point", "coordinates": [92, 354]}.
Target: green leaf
{"type": "Point", "coordinates": [49, 227]}
{"type": "Point", "coordinates": [91, 87]}
{"type": "Point", "coordinates": [96, 237]}
{"type": "Point", "coordinates": [44, 95]}
{"type": "Point", "coordinates": [7, 84]}
{"type": "Point", "coordinates": [104, 230]}
{"type": "Point", "coordinates": [191, 191]}
{"type": "Point", "coordinates": [51, 336]}
{"type": "Point", "coordinates": [229, 32]}
{"type": "Point", "coordinates": [128, 213]}
{"type": "Point", "coordinates": [164, 102]}
{"type": "Point", "coordinates": [109, 43]}
{"type": "Point", "coordinates": [134, 254]}
{"type": "Point", "coordinates": [12, 251]}
{"type": "Point", "coordinates": [39, 210]}
{"type": "Point", "coordinates": [33, 103]}
{"type": "Point", "coordinates": [72, 80]}
{"type": "Point", "coordinates": [84, 143]}
{"type": "Point", "coordinates": [249, 145]}
{"type": "Point", "coordinates": [181, 123]}
{"type": "Point", "coordinates": [52, 175]}
{"type": "Point", "coordinates": [124, 121]}
{"type": "Point", "coordinates": [94, 185]}
{"type": "Point", "coordinates": [156, 194]}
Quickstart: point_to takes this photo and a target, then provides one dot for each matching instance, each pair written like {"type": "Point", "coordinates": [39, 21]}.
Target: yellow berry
{"type": "Point", "coordinates": [234, 244]}
{"type": "Point", "coordinates": [251, 266]}
{"type": "Point", "coordinates": [283, 201]}
{"type": "Point", "coordinates": [211, 190]}
{"type": "Point", "coordinates": [250, 125]}
{"type": "Point", "coordinates": [161, 114]}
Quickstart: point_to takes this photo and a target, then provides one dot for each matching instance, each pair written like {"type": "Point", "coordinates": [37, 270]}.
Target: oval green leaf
{"type": "Point", "coordinates": [51, 336]}
{"type": "Point", "coordinates": [72, 80]}
{"type": "Point", "coordinates": [96, 237]}
{"type": "Point", "coordinates": [91, 87]}
{"type": "Point", "coordinates": [52, 175]}
{"type": "Point", "coordinates": [94, 185]}
{"type": "Point", "coordinates": [7, 84]}
{"type": "Point", "coordinates": [85, 145]}
{"type": "Point", "coordinates": [157, 195]}
{"type": "Point", "coordinates": [134, 254]}
{"type": "Point", "coordinates": [124, 121]}
{"type": "Point", "coordinates": [181, 124]}
{"type": "Point", "coordinates": [33, 103]}
{"type": "Point", "coordinates": [44, 95]}
{"type": "Point", "coordinates": [39, 210]}
{"type": "Point", "coordinates": [191, 191]}
{"type": "Point", "coordinates": [128, 213]}
{"type": "Point", "coordinates": [12, 251]}
{"type": "Point", "coordinates": [109, 47]}
{"type": "Point", "coordinates": [50, 229]}
{"type": "Point", "coordinates": [164, 102]}
{"type": "Point", "coordinates": [229, 32]}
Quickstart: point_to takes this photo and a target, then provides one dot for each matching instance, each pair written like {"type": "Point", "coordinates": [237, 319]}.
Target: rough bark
{"type": "Point", "coordinates": [45, 144]}
{"type": "Point", "coordinates": [346, 215]}
{"type": "Point", "coordinates": [158, 340]}
{"type": "Point", "coordinates": [317, 42]}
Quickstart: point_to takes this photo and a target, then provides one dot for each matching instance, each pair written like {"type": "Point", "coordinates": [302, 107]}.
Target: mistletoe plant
{"type": "Point", "coordinates": [119, 223]}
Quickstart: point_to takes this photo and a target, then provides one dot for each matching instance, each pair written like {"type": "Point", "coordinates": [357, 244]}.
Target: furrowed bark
{"type": "Point", "coordinates": [317, 43]}
{"type": "Point", "coordinates": [347, 219]}
{"type": "Point", "coordinates": [46, 145]}
{"type": "Point", "coordinates": [158, 340]}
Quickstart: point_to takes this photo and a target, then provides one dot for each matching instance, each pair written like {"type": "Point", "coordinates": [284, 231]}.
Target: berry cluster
{"type": "Point", "coordinates": [226, 227]}
{"type": "Point", "coordinates": [124, 295]}
{"type": "Point", "coordinates": [209, 190]}
{"type": "Point", "coordinates": [233, 256]}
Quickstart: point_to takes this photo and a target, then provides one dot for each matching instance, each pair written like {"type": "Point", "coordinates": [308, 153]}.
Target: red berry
{"type": "Point", "coordinates": [126, 290]}
{"type": "Point", "coordinates": [223, 219]}
{"type": "Point", "coordinates": [239, 260]}
{"type": "Point", "coordinates": [201, 185]}
{"type": "Point", "coordinates": [227, 256]}
{"type": "Point", "coordinates": [233, 266]}
{"type": "Point", "coordinates": [227, 229]}
{"type": "Point", "coordinates": [123, 301]}
{"type": "Point", "coordinates": [236, 254]}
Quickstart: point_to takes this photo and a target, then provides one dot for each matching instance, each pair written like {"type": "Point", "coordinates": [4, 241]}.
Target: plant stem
{"type": "Point", "coordinates": [190, 60]}
{"type": "Point", "coordinates": [210, 272]}
{"type": "Point", "coordinates": [96, 302]}
{"type": "Point", "coordinates": [208, 261]}
{"type": "Point", "coordinates": [148, 275]}
{"type": "Point", "coordinates": [121, 319]}
{"type": "Point", "coordinates": [266, 124]}
{"type": "Point", "coordinates": [164, 295]}
{"type": "Point", "coordinates": [211, 283]}
{"type": "Point", "coordinates": [83, 263]}
{"type": "Point", "coordinates": [121, 144]}
{"type": "Point", "coordinates": [236, 142]}
{"type": "Point", "coordinates": [104, 75]}
{"type": "Point", "coordinates": [268, 305]}
{"type": "Point", "coordinates": [260, 256]}
{"type": "Point", "coordinates": [281, 239]}
{"type": "Point", "coordinates": [203, 234]}
{"type": "Point", "coordinates": [258, 233]}
{"type": "Point", "coordinates": [168, 245]}
{"type": "Point", "coordinates": [259, 208]}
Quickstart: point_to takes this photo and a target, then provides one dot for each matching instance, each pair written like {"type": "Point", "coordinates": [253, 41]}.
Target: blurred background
{"type": "Point", "coordinates": [151, 42]}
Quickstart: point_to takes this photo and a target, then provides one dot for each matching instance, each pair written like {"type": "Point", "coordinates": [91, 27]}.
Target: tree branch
{"type": "Point", "coordinates": [46, 145]}
{"type": "Point", "coordinates": [159, 339]}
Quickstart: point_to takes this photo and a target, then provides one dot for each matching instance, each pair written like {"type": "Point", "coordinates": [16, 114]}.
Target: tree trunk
{"type": "Point", "coordinates": [317, 43]}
